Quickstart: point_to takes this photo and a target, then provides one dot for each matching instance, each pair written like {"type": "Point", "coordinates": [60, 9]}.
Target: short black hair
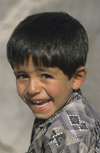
{"type": "Point", "coordinates": [54, 39]}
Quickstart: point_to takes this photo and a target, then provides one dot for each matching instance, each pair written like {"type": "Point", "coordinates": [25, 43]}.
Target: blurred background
{"type": "Point", "coordinates": [16, 119]}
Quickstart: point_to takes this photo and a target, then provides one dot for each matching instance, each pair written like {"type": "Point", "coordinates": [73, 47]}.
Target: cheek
{"type": "Point", "coordinates": [60, 92]}
{"type": "Point", "coordinates": [20, 90]}
{"type": "Point", "coordinates": [53, 90]}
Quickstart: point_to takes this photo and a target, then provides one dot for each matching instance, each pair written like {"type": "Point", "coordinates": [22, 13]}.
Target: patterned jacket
{"type": "Point", "coordinates": [75, 128]}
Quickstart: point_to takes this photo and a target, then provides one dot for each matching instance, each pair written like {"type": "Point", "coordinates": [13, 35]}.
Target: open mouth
{"type": "Point", "coordinates": [40, 103]}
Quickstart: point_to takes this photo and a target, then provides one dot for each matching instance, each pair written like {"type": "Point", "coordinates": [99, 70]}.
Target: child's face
{"type": "Point", "coordinates": [44, 90]}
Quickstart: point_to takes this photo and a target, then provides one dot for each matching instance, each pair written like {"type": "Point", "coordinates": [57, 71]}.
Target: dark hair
{"type": "Point", "coordinates": [54, 39]}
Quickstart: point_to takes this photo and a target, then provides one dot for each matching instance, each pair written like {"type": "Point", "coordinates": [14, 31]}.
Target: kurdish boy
{"type": "Point", "coordinates": [48, 52]}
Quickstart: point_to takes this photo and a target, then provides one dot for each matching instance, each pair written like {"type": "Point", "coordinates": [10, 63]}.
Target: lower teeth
{"type": "Point", "coordinates": [41, 105]}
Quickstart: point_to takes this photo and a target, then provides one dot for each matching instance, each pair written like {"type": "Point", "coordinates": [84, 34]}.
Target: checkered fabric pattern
{"type": "Point", "coordinates": [73, 129]}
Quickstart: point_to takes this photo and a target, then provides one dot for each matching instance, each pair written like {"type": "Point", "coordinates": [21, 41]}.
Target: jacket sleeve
{"type": "Point", "coordinates": [58, 140]}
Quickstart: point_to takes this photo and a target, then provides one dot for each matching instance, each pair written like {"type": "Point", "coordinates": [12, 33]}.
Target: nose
{"type": "Point", "coordinates": [34, 87]}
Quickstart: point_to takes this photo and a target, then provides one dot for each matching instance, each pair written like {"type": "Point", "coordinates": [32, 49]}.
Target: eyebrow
{"type": "Point", "coordinates": [45, 70]}
{"type": "Point", "coordinates": [18, 72]}
{"type": "Point", "coordinates": [39, 69]}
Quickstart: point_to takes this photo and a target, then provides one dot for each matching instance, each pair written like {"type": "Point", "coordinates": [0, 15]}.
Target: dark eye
{"type": "Point", "coordinates": [21, 76]}
{"type": "Point", "coordinates": [46, 76]}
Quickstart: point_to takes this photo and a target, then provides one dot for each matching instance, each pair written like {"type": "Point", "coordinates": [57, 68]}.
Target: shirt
{"type": "Point", "coordinates": [75, 128]}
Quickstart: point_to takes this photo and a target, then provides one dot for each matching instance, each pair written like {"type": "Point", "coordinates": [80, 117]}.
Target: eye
{"type": "Point", "coordinates": [46, 76]}
{"type": "Point", "coordinates": [21, 76]}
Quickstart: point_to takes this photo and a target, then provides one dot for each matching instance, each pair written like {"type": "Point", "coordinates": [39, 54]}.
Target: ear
{"type": "Point", "coordinates": [79, 77]}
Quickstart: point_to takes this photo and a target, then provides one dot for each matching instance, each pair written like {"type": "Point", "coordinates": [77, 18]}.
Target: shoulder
{"type": "Point", "coordinates": [76, 123]}
{"type": "Point", "coordinates": [76, 112]}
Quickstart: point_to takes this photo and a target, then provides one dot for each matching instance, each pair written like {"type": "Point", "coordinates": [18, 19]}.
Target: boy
{"type": "Point", "coordinates": [48, 52]}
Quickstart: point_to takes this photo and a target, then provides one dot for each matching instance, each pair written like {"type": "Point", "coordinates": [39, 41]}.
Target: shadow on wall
{"type": "Point", "coordinates": [6, 149]}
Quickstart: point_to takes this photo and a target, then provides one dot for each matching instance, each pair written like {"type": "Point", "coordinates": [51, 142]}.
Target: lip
{"type": "Point", "coordinates": [39, 105]}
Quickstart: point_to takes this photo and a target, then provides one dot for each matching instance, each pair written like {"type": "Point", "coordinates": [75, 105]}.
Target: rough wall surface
{"type": "Point", "coordinates": [16, 119]}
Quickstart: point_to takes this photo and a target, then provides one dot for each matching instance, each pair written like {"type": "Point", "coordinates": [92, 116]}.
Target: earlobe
{"type": "Point", "coordinates": [79, 77]}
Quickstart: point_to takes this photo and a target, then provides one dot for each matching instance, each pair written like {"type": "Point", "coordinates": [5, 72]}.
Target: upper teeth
{"type": "Point", "coordinates": [37, 102]}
